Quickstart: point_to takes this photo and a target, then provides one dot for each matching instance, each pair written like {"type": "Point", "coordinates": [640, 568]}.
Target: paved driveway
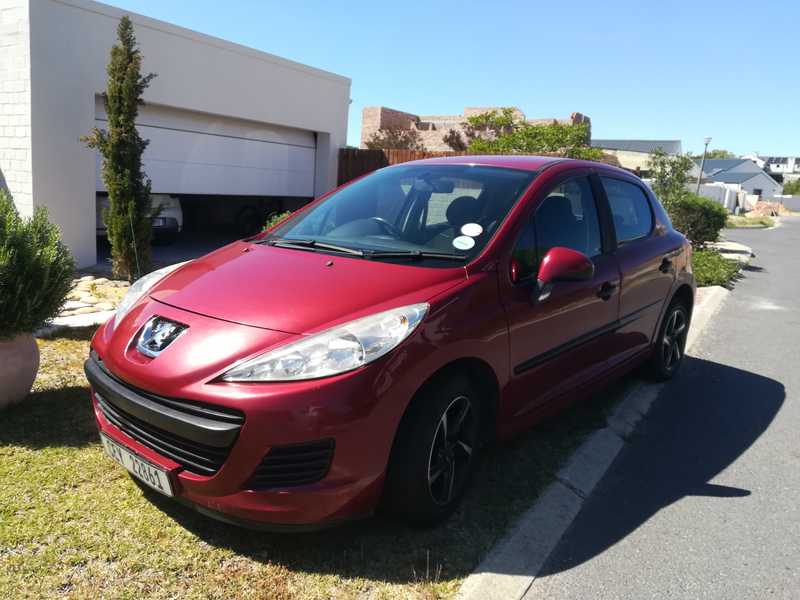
{"type": "Point", "coordinates": [703, 501]}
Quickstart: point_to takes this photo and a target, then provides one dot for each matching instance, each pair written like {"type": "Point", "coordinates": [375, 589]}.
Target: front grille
{"type": "Point", "coordinates": [194, 457]}
{"type": "Point", "coordinates": [190, 418]}
{"type": "Point", "coordinates": [296, 464]}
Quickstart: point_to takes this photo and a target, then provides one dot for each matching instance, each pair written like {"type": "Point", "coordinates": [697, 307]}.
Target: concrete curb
{"type": "Point", "coordinates": [511, 567]}
{"type": "Point", "coordinates": [704, 311]}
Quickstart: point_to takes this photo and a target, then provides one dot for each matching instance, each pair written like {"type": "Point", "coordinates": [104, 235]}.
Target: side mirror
{"type": "Point", "coordinates": [560, 264]}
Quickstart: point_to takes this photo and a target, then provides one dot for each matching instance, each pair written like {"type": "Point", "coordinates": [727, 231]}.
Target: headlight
{"type": "Point", "coordinates": [138, 289]}
{"type": "Point", "coordinates": [334, 351]}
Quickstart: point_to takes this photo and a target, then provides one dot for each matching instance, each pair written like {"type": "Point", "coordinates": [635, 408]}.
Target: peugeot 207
{"type": "Point", "coordinates": [357, 355]}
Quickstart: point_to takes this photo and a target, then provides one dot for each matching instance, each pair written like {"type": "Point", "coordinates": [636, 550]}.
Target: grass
{"type": "Point", "coordinates": [75, 525]}
{"type": "Point", "coordinates": [711, 268]}
{"type": "Point", "coordinates": [734, 222]}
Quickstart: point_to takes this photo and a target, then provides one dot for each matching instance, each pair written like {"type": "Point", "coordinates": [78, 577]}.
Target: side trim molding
{"type": "Point", "coordinates": [563, 349]}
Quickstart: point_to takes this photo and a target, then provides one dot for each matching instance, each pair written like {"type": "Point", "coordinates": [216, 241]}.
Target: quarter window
{"type": "Point", "coordinates": [633, 218]}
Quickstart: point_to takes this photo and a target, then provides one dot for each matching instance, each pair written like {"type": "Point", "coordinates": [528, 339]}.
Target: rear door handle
{"type": "Point", "coordinates": [606, 292]}
{"type": "Point", "coordinates": [665, 266]}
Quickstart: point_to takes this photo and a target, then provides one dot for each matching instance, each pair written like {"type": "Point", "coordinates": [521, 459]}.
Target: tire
{"type": "Point", "coordinates": [670, 343]}
{"type": "Point", "coordinates": [431, 460]}
{"type": "Point", "coordinates": [248, 221]}
{"type": "Point", "coordinates": [165, 239]}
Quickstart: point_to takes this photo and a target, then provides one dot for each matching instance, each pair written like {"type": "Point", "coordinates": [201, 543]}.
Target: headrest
{"type": "Point", "coordinates": [556, 208]}
{"type": "Point", "coordinates": [463, 210]}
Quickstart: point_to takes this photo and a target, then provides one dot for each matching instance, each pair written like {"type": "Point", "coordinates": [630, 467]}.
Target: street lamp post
{"type": "Point", "coordinates": [702, 164]}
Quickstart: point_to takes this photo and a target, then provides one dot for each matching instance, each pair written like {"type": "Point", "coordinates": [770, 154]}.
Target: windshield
{"type": "Point", "coordinates": [432, 214]}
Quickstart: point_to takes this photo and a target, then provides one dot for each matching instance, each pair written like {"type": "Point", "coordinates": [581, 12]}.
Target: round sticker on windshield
{"type": "Point", "coordinates": [472, 229]}
{"type": "Point", "coordinates": [463, 242]}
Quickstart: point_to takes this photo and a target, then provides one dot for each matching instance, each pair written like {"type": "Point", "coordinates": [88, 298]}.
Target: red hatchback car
{"type": "Point", "coordinates": [356, 355]}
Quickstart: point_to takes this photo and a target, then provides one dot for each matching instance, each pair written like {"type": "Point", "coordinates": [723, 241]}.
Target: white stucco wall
{"type": "Point", "coordinates": [70, 41]}
{"type": "Point", "coordinates": [15, 104]}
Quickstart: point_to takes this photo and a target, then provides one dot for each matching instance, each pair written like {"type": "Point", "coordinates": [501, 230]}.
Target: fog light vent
{"type": "Point", "coordinates": [295, 464]}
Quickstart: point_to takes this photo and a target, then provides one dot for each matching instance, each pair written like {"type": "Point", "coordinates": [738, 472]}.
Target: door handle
{"type": "Point", "coordinates": [665, 266]}
{"type": "Point", "coordinates": [607, 291]}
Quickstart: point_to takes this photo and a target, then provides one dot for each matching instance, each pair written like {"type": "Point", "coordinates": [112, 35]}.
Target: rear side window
{"type": "Point", "coordinates": [633, 218]}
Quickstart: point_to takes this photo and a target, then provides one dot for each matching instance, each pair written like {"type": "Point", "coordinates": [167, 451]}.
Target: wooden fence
{"type": "Point", "coordinates": [355, 162]}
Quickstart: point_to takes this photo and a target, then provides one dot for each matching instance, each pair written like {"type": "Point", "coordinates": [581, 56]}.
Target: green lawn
{"type": "Point", "coordinates": [73, 524]}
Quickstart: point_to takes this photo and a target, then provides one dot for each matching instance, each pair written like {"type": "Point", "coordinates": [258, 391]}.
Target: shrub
{"type": "Point", "coordinates": [395, 139]}
{"type": "Point", "coordinates": [699, 219]}
{"type": "Point", "coordinates": [275, 219]}
{"type": "Point", "coordinates": [36, 270]}
{"type": "Point", "coordinates": [711, 268]}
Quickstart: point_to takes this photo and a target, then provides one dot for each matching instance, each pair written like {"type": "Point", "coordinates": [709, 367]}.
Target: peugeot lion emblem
{"type": "Point", "coordinates": [158, 333]}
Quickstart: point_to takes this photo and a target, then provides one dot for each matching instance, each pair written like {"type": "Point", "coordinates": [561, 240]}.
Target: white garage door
{"type": "Point", "coordinates": [198, 153]}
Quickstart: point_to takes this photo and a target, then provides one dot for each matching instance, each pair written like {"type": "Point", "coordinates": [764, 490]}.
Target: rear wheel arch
{"type": "Point", "coordinates": [684, 293]}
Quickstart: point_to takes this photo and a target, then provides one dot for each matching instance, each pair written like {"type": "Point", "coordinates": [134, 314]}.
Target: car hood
{"type": "Point", "coordinates": [296, 291]}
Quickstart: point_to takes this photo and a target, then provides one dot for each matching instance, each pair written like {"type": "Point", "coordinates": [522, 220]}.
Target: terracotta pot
{"type": "Point", "coordinates": [19, 363]}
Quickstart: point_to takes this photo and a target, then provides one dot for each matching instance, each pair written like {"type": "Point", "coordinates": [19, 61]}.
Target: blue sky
{"type": "Point", "coordinates": [640, 70]}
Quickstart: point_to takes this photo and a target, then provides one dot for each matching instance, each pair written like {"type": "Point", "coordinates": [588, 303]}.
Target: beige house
{"type": "Point", "coordinates": [433, 128]}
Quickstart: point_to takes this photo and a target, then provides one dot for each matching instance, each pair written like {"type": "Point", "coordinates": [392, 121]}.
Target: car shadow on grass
{"type": "Point", "coordinates": [508, 478]}
{"type": "Point", "coordinates": [703, 422]}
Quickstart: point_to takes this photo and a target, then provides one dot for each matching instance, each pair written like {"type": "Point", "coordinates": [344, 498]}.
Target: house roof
{"type": "Point", "coordinates": [725, 177]}
{"type": "Point", "coordinates": [644, 146]}
{"type": "Point", "coordinates": [721, 164]}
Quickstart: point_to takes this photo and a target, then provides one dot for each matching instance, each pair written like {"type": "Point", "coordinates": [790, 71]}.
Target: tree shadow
{"type": "Point", "coordinates": [50, 418]}
{"type": "Point", "coordinates": [703, 422]}
{"type": "Point", "coordinates": [68, 332]}
{"type": "Point", "coordinates": [753, 268]}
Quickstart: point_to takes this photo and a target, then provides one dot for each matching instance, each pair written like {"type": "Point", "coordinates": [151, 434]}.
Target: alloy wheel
{"type": "Point", "coordinates": [451, 450]}
{"type": "Point", "coordinates": [674, 340]}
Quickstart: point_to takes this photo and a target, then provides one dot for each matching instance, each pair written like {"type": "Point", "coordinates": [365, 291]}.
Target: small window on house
{"type": "Point", "coordinates": [758, 192]}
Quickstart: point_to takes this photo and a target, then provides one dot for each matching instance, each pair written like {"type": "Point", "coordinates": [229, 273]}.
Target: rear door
{"type": "Point", "coordinates": [644, 257]}
{"type": "Point", "coordinates": [564, 341]}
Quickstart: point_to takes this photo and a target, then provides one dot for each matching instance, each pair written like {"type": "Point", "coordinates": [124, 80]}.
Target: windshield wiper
{"type": "Point", "coordinates": [415, 255]}
{"type": "Point", "coordinates": [314, 245]}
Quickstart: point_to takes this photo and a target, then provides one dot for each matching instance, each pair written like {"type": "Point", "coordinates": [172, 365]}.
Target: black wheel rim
{"type": "Point", "coordinates": [451, 451]}
{"type": "Point", "coordinates": [674, 340]}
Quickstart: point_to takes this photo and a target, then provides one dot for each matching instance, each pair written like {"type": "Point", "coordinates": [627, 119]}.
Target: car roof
{"type": "Point", "coordinates": [530, 163]}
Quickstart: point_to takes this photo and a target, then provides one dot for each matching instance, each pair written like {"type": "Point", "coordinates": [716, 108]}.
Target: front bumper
{"type": "Point", "coordinates": [213, 440]}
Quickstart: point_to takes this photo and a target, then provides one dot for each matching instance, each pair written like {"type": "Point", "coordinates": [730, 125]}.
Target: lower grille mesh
{"type": "Point", "coordinates": [296, 464]}
{"type": "Point", "coordinates": [193, 456]}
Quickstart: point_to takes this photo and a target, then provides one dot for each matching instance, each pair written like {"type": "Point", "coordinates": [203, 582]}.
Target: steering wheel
{"type": "Point", "coordinates": [390, 229]}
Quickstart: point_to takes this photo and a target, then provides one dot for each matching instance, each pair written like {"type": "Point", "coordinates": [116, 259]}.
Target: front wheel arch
{"type": "Point", "coordinates": [407, 493]}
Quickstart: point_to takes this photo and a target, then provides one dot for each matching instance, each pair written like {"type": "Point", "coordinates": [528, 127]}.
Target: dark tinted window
{"type": "Point", "coordinates": [567, 218]}
{"type": "Point", "coordinates": [633, 218]}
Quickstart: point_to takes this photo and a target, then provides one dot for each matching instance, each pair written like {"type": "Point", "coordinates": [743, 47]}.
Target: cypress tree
{"type": "Point", "coordinates": [131, 214]}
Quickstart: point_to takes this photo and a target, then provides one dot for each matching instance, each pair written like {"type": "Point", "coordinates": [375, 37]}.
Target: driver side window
{"type": "Point", "coordinates": [566, 218]}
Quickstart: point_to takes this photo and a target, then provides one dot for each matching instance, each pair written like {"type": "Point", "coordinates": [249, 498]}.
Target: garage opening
{"type": "Point", "coordinates": [228, 175]}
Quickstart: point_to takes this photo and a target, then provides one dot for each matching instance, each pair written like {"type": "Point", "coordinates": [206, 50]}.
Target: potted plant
{"type": "Point", "coordinates": [36, 272]}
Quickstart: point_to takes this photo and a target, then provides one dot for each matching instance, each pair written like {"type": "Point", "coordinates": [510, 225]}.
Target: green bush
{"type": "Point", "coordinates": [711, 268]}
{"type": "Point", "coordinates": [36, 270]}
{"type": "Point", "coordinates": [698, 218]}
{"type": "Point", "coordinates": [275, 219]}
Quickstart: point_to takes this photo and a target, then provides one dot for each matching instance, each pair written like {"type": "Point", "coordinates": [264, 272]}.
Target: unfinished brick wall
{"type": "Point", "coordinates": [15, 103]}
{"type": "Point", "coordinates": [433, 128]}
{"type": "Point", "coordinates": [378, 118]}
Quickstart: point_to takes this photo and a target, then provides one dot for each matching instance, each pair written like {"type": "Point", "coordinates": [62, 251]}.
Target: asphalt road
{"type": "Point", "coordinates": [704, 500]}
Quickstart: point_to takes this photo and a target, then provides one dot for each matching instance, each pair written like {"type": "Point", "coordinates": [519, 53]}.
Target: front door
{"type": "Point", "coordinates": [563, 342]}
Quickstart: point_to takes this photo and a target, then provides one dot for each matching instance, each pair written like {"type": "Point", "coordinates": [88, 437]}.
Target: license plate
{"type": "Point", "coordinates": [156, 477]}
{"type": "Point", "coordinates": [159, 222]}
